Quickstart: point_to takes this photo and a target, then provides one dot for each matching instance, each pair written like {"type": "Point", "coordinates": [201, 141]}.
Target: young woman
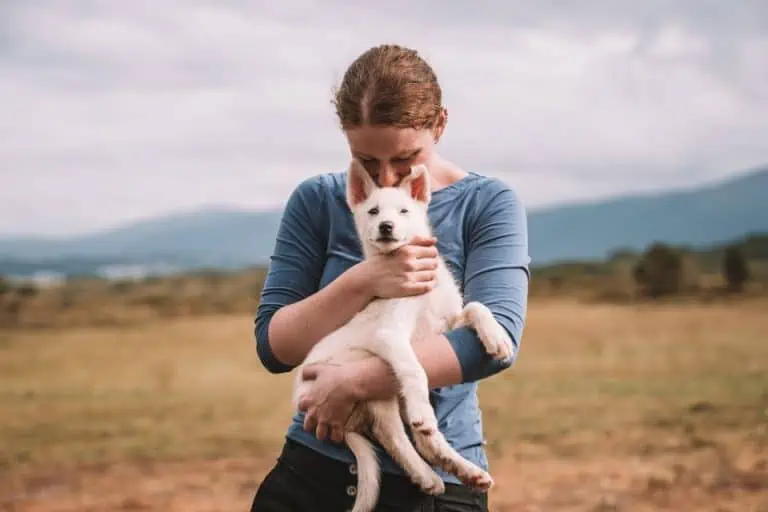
{"type": "Point", "coordinates": [390, 109]}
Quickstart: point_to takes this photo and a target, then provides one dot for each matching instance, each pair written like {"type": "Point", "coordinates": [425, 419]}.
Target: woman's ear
{"type": "Point", "coordinates": [442, 121]}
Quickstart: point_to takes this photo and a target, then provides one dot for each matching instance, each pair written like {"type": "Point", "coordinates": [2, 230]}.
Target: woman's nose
{"type": "Point", "coordinates": [388, 177]}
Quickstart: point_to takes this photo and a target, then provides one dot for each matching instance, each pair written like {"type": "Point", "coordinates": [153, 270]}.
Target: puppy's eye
{"type": "Point", "coordinates": [374, 211]}
{"type": "Point", "coordinates": [404, 211]}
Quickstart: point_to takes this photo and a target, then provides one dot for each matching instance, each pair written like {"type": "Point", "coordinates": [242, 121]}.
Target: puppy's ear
{"type": "Point", "coordinates": [417, 184]}
{"type": "Point", "coordinates": [359, 184]}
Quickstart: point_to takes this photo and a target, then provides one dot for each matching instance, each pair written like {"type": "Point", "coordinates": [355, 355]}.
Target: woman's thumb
{"type": "Point", "coordinates": [424, 241]}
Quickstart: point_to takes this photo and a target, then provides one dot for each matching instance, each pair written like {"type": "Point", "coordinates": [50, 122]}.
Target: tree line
{"type": "Point", "coordinates": [661, 270]}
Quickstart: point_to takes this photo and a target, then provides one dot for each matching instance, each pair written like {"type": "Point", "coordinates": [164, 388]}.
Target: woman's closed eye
{"type": "Point", "coordinates": [406, 158]}
{"type": "Point", "coordinates": [371, 165]}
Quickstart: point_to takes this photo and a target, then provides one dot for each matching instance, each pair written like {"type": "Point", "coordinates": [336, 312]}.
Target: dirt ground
{"type": "Point", "coordinates": [526, 484]}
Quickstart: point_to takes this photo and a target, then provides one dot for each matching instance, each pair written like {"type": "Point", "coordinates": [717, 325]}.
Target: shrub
{"type": "Point", "coordinates": [735, 268]}
{"type": "Point", "coordinates": [660, 271]}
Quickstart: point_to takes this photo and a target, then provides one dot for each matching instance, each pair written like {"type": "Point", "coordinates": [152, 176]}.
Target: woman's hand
{"type": "Point", "coordinates": [408, 271]}
{"type": "Point", "coordinates": [330, 400]}
{"type": "Point", "coordinates": [335, 390]}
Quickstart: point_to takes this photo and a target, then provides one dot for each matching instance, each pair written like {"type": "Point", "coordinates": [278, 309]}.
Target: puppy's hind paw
{"type": "Point", "coordinates": [476, 479]}
{"type": "Point", "coordinates": [430, 483]}
{"type": "Point", "coordinates": [422, 419]}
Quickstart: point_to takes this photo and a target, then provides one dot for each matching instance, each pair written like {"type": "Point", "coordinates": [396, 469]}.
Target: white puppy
{"type": "Point", "coordinates": [388, 218]}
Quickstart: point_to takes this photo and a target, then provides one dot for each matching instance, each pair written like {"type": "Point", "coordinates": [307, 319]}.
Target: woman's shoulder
{"type": "Point", "coordinates": [496, 219]}
{"type": "Point", "coordinates": [484, 187]}
{"type": "Point", "coordinates": [484, 195]}
{"type": "Point", "coordinates": [319, 183]}
{"type": "Point", "coordinates": [318, 188]}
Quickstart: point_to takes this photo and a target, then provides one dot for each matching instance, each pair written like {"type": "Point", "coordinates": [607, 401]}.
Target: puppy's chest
{"type": "Point", "coordinates": [436, 314]}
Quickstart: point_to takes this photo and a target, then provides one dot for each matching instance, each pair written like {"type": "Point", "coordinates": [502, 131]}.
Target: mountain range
{"type": "Point", "coordinates": [231, 238]}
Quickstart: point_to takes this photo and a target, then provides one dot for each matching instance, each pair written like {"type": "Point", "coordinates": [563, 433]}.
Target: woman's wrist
{"type": "Point", "coordinates": [359, 281]}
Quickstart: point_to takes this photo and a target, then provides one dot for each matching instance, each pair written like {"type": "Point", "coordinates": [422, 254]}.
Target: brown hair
{"type": "Point", "coordinates": [389, 85]}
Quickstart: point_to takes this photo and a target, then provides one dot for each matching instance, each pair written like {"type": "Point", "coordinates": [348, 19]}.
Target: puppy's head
{"type": "Point", "coordinates": [387, 218]}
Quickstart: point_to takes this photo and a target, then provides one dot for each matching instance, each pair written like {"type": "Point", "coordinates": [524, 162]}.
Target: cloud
{"type": "Point", "coordinates": [114, 111]}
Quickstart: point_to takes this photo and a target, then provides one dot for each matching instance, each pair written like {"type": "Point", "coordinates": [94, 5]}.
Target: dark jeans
{"type": "Point", "coordinates": [306, 481]}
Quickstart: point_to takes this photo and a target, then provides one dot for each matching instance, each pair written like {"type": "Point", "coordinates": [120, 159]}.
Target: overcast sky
{"type": "Point", "coordinates": [117, 110]}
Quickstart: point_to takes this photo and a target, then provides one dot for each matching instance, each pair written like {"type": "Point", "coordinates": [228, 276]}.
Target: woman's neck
{"type": "Point", "coordinates": [443, 173]}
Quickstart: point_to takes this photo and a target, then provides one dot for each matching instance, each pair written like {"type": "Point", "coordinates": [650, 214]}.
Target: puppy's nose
{"type": "Point", "coordinates": [386, 227]}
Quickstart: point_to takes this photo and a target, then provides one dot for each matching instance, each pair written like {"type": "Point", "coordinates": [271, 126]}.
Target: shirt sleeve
{"type": "Point", "coordinates": [496, 275]}
{"type": "Point", "coordinates": [296, 264]}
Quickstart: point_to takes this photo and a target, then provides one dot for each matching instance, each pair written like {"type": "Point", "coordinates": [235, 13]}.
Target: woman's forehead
{"type": "Point", "coordinates": [385, 142]}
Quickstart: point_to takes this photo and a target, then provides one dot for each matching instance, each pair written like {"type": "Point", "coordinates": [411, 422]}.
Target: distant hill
{"type": "Point", "coordinates": [694, 217]}
{"type": "Point", "coordinates": [229, 238]}
{"type": "Point", "coordinates": [213, 238]}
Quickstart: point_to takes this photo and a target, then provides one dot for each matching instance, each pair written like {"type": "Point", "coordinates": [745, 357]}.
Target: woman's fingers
{"type": "Point", "coordinates": [337, 434]}
{"type": "Point", "coordinates": [423, 276]}
{"type": "Point", "coordinates": [420, 252]}
{"type": "Point", "coordinates": [322, 431]}
{"type": "Point", "coordinates": [418, 288]}
{"type": "Point", "coordinates": [424, 241]}
{"type": "Point", "coordinates": [310, 421]}
{"type": "Point", "coordinates": [415, 265]}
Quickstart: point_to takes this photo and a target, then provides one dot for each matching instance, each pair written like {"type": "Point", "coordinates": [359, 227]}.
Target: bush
{"type": "Point", "coordinates": [660, 271]}
{"type": "Point", "coordinates": [5, 286]}
{"type": "Point", "coordinates": [26, 290]}
{"type": "Point", "coordinates": [735, 268]}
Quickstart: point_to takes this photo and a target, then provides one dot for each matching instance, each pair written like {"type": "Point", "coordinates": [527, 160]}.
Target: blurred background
{"type": "Point", "coordinates": [147, 149]}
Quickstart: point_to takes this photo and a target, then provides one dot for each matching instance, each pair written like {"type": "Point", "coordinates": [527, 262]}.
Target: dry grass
{"type": "Point", "coordinates": [610, 408]}
{"type": "Point", "coordinates": [87, 302]}
{"type": "Point", "coordinates": [95, 302]}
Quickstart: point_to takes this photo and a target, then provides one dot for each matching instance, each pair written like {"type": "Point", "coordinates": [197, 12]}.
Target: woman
{"type": "Point", "coordinates": [390, 108]}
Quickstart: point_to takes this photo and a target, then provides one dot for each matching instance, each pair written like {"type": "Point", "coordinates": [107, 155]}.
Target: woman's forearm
{"type": "Point", "coordinates": [373, 378]}
{"type": "Point", "coordinates": [296, 328]}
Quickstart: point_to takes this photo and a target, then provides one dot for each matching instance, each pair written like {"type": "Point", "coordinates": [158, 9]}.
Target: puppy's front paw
{"type": "Point", "coordinates": [492, 335]}
{"type": "Point", "coordinates": [496, 341]}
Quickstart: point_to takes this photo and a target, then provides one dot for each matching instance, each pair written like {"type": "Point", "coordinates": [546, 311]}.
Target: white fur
{"type": "Point", "coordinates": [386, 328]}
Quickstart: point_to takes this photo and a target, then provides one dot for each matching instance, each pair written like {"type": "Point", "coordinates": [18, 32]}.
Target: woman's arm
{"type": "Point", "coordinates": [295, 328]}
{"type": "Point", "coordinates": [497, 275]}
{"type": "Point", "coordinates": [330, 400]}
{"type": "Point", "coordinates": [294, 274]}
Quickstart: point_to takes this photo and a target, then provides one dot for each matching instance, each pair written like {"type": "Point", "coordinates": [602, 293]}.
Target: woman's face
{"type": "Point", "coordinates": [388, 153]}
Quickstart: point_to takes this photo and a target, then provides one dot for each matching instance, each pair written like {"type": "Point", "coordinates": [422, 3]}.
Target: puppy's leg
{"type": "Point", "coordinates": [388, 429]}
{"type": "Point", "coordinates": [437, 451]}
{"type": "Point", "coordinates": [395, 348]}
{"type": "Point", "coordinates": [415, 395]}
{"type": "Point", "coordinates": [492, 335]}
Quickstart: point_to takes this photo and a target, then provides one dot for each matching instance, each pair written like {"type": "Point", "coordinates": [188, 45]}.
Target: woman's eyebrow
{"type": "Point", "coordinates": [403, 154]}
{"type": "Point", "coordinates": [408, 153]}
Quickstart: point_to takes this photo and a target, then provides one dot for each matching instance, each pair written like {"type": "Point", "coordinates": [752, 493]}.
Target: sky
{"type": "Point", "coordinates": [118, 111]}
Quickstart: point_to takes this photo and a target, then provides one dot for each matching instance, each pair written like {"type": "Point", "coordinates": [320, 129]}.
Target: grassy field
{"type": "Point", "coordinates": [610, 408]}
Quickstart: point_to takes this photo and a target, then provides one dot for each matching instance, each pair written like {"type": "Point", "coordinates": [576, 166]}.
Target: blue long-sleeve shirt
{"type": "Point", "coordinates": [482, 235]}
